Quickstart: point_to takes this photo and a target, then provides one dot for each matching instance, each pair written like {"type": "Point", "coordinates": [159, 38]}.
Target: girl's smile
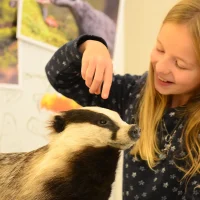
{"type": "Point", "coordinates": [162, 82]}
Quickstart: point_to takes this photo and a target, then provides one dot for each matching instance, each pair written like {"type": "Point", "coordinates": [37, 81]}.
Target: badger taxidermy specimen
{"type": "Point", "coordinates": [79, 163]}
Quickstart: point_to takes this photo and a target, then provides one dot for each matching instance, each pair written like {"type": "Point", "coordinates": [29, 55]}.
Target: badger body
{"type": "Point", "coordinates": [79, 163]}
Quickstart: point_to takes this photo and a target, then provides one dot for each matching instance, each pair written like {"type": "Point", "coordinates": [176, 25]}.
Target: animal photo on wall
{"type": "Point", "coordinates": [9, 73]}
{"type": "Point", "coordinates": [55, 22]}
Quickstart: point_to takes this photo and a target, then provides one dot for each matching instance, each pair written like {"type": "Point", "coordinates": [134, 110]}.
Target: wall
{"type": "Point", "coordinates": [21, 120]}
{"type": "Point", "coordinates": [142, 23]}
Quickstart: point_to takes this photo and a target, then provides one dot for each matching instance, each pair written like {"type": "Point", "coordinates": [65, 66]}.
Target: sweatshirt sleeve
{"type": "Point", "coordinates": [64, 73]}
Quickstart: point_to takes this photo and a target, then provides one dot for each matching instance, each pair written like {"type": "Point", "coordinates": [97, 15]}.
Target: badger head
{"type": "Point", "coordinates": [93, 126]}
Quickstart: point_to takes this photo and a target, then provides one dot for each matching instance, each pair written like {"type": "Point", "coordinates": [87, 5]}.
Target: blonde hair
{"type": "Point", "coordinates": [152, 103]}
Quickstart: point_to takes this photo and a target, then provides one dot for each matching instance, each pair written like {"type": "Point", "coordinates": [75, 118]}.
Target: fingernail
{"type": "Point", "coordinates": [105, 96]}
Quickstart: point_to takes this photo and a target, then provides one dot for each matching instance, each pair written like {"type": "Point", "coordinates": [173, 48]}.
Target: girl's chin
{"type": "Point", "coordinates": [162, 91]}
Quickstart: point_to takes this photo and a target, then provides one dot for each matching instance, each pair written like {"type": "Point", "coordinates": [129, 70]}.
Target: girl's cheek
{"type": "Point", "coordinates": [154, 56]}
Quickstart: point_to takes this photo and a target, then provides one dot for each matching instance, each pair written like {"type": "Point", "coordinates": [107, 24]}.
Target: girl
{"type": "Point", "coordinates": [164, 102]}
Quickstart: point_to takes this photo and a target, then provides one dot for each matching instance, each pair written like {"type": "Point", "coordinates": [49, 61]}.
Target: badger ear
{"type": "Point", "coordinates": [58, 123]}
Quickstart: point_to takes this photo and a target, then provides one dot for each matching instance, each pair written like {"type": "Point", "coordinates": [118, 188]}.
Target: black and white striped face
{"type": "Point", "coordinates": [94, 126]}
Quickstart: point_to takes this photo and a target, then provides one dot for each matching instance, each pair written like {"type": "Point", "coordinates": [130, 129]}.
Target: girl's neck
{"type": "Point", "coordinates": [178, 100]}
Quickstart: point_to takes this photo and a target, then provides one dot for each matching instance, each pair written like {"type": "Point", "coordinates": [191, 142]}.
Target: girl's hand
{"type": "Point", "coordinates": [97, 69]}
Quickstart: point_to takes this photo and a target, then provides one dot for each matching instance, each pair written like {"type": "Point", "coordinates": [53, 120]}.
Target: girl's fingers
{"type": "Point", "coordinates": [84, 68]}
{"type": "Point", "coordinates": [98, 78]}
{"type": "Point", "coordinates": [90, 72]}
{"type": "Point", "coordinates": [98, 90]}
{"type": "Point", "coordinates": [107, 82]}
{"type": "Point", "coordinates": [97, 71]}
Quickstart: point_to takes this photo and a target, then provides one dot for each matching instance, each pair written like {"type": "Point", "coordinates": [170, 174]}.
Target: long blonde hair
{"type": "Point", "coordinates": [152, 103]}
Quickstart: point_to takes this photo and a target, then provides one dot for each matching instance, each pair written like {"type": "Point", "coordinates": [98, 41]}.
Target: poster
{"type": "Point", "coordinates": [52, 23]}
{"type": "Point", "coordinates": [9, 71]}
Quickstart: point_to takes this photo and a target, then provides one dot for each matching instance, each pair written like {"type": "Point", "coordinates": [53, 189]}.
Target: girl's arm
{"type": "Point", "coordinates": [66, 74]}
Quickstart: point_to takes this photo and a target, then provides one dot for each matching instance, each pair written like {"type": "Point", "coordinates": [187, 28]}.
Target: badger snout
{"type": "Point", "coordinates": [134, 132]}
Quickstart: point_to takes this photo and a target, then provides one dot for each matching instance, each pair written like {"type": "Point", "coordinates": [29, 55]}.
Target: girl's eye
{"type": "Point", "coordinates": [177, 65]}
{"type": "Point", "coordinates": [160, 50]}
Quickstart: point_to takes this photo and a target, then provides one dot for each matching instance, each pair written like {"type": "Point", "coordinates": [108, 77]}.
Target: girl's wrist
{"type": "Point", "coordinates": [84, 40]}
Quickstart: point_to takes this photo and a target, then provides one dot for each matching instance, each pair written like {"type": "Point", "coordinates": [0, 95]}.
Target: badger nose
{"type": "Point", "coordinates": [134, 132]}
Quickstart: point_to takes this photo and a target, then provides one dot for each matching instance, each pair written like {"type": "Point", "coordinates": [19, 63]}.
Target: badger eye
{"type": "Point", "coordinates": [102, 122]}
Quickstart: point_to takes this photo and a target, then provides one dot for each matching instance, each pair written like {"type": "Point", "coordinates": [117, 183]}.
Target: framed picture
{"type": "Point", "coordinates": [52, 23]}
{"type": "Point", "coordinates": [9, 68]}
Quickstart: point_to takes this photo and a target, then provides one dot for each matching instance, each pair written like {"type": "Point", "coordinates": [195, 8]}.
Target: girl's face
{"type": "Point", "coordinates": [176, 71]}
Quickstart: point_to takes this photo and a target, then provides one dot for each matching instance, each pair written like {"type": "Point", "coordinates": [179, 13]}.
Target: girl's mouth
{"type": "Point", "coordinates": [163, 82]}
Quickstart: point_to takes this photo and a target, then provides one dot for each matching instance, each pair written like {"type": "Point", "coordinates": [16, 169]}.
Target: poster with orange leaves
{"type": "Point", "coordinates": [57, 103]}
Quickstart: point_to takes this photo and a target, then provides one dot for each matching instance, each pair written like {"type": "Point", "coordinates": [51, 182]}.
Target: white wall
{"type": "Point", "coordinates": [22, 126]}
{"type": "Point", "coordinates": [22, 123]}
{"type": "Point", "coordinates": [142, 22]}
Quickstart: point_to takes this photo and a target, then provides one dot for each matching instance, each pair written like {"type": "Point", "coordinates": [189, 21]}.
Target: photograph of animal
{"type": "Point", "coordinates": [90, 20]}
{"type": "Point", "coordinates": [61, 21]}
{"type": "Point", "coordinates": [78, 163]}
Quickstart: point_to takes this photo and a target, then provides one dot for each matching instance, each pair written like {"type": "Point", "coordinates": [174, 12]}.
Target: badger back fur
{"type": "Point", "coordinates": [79, 163]}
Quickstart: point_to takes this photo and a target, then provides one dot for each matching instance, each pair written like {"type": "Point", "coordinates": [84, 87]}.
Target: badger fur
{"type": "Point", "coordinates": [78, 163]}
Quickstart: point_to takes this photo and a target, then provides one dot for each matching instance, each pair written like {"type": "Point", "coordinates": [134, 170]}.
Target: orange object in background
{"type": "Point", "coordinates": [57, 103]}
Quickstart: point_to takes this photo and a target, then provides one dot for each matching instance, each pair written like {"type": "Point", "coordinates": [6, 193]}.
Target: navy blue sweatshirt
{"type": "Point", "coordinates": [139, 181]}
